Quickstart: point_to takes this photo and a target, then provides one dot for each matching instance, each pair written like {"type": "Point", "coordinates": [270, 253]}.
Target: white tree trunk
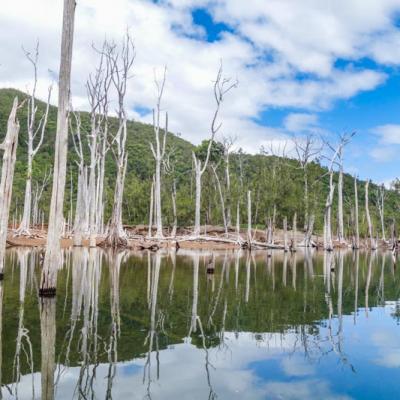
{"type": "Point", "coordinates": [221, 199]}
{"type": "Point", "coordinates": [328, 243]}
{"type": "Point", "coordinates": [228, 192]}
{"type": "Point", "coordinates": [53, 249]}
{"type": "Point", "coordinates": [285, 235]}
{"type": "Point", "coordinates": [151, 208]}
{"type": "Point", "coordinates": [293, 246]}
{"type": "Point", "coordinates": [357, 228]}
{"type": "Point", "coordinates": [9, 147]}
{"type": "Point", "coordinates": [369, 222]}
{"type": "Point", "coordinates": [309, 231]}
{"type": "Point", "coordinates": [197, 169]}
{"type": "Point", "coordinates": [175, 223]}
{"type": "Point", "coordinates": [238, 220]}
{"type": "Point", "coordinates": [249, 236]}
{"type": "Point", "coordinates": [341, 238]}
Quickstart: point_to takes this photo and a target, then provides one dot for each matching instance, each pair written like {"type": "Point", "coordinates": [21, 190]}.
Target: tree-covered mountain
{"type": "Point", "coordinates": [275, 182]}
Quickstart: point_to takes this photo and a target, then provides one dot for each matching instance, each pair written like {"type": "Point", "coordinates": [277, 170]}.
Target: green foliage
{"type": "Point", "coordinates": [277, 184]}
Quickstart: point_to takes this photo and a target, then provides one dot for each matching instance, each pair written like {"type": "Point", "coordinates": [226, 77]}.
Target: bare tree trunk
{"type": "Point", "coordinates": [285, 235]}
{"type": "Point", "coordinates": [151, 208]}
{"type": "Point", "coordinates": [293, 246]}
{"type": "Point", "coordinates": [175, 223]}
{"type": "Point", "coordinates": [9, 147]}
{"type": "Point", "coordinates": [221, 198]}
{"type": "Point", "coordinates": [357, 228]}
{"type": "Point", "coordinates": [341, 238]}
{"type": "Point", "coordinates": [158, 153]}
{"type": "Point", "coordinates": [369, 222]}
{"type": "Point", "coordinates": [228, 191]}
{"type": "Point", "coordinates": [238, 220]}
{"type": "Point", "coordinates": [197, 168]}
{"type": "Point", "coordinates": [381, 208]}
{"type": "Point", "coordinates": [221, 87]}
{"type": "Point", "coordinates": [53, 250]}
{"type": "Point", "coordinates": [120, 64]}
{"type": "Point", "coordinates": [33, 131]}
{"type": "Point", "coordinates": [309, 231]}
{"type": "Point", "coordinates": [249, 236]}
{"type": "Point", "coordinates": [328, 243]}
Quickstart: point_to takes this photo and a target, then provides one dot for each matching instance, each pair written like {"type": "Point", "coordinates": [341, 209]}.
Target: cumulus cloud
{"type": "Point", "coordinates": [388, 141]}
{"type": "Point", "coordinates": [266, 47]}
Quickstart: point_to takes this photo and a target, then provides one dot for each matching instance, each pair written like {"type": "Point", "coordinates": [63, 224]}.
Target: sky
{"type": "Point", "coordinates": [321, 67]}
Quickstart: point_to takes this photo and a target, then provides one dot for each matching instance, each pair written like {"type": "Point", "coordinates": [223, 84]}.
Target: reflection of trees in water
{"type": "Point", "coordinates": [302, 301]}
{"type": "Point", "coordinates": [23, 343]}
{"type": "Point", "coordinates": [48, 341]}
{"type": "Point", "coordinates": [115, 259]}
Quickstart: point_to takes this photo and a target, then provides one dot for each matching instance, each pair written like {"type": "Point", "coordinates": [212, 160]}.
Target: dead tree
{"type": "Point", "coordinates": [37, 195]}
{"type": "Point", "coordinates": [249, 235]}
{"type": "Point", "coordinates": [81, 223]}
{"type": "Point", "coordinates": [307, 149]}
{"type": "Point", "coordinates": [221, 197]}
{"type": "Point", "coordinates": [9, 148]}
{"type": "Point", "coordinates": [158, 151]}
{"type": "Point", "coordinates": [336, 159]}
{"type": "Point", "coordinates": [169, 168]}
{"type": "Point", "coordinates": [221, 87]}
{"type": "Point", "coordinates": [120, 66]}
{"type": "Point", "coordinates": [368, 216]}
{"type": "Point", "coordinates": [151, 208]}
{"type": "Point", "coordinates": [228, 142]}
{"type": "Point", "coordinates": [98, 85]}
{"type": "Point", "coordinates": [380, 203]}
{"type": "Point", "coordinates": [35, 134]}
{"type": "Point", "coordinates": [53, 250]}
{"type": "Point", "coordinates": [356, 244]}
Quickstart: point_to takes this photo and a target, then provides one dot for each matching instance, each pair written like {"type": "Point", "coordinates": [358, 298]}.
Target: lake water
{"type": "Point", "coordinates": [202, 325]}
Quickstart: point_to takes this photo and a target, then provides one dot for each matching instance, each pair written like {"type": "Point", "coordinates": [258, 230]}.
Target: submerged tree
{"type": "Point", "coordinates": [9, 148]}
{"type": "Point", "coordinates": [35, 139]}
{"type": "Point", "coordinates": [221, 87]}
{"type": "Point", "coordinates": [53, 250]}
{"type": "Point", "coordinates": [158, 151]}
{"type": "Point", "coordinates": [121, 63]}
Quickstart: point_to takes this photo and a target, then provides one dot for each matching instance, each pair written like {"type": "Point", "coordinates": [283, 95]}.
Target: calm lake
{"type": "Point", "coordinates": [202, 325]}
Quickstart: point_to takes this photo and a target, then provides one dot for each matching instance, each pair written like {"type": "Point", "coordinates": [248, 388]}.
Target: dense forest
{"type": "Point", "coordinates": [276, 182]}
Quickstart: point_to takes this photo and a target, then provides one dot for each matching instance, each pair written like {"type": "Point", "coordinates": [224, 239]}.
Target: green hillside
{"type": "Point", "coordinates": [273, 180]}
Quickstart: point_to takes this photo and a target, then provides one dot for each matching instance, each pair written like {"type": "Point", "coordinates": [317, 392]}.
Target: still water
{"type": "Point", "coordinates": [202, 325]}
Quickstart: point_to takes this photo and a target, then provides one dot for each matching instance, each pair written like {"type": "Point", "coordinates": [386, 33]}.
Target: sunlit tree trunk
{"type": "Point", "coordinates": [120, 64]}
{"type": "Point", "coordinates": [53, 250]}
{"type": "Point", "coordinates": [221, 87]}
{"type": "Point", "coordinates": [158, 151]}
{"type": "Point", "coordinates": [33, 132]}
{"type": "Point", "coordinates": [369, 222]}
{"type": "Point", "coordinates": [356, 218]}
{"type": "Point", "coordinates": [9, 148]}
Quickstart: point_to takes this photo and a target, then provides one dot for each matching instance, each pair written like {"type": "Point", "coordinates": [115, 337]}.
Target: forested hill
{"type": "Point", "coordinates": [273, 181]}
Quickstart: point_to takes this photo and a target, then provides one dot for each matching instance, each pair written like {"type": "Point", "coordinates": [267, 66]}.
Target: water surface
{"type": "Point", "coordinates": [202, 325]}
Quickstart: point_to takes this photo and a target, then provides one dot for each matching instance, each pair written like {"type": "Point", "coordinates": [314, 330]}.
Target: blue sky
{"type": "Point", "coordinates": [304, 67]}
{"type": "Point", "coordinates": [361, 113]}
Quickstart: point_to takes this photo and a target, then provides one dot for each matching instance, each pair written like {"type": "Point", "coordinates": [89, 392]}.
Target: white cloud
{"type": "Point", "coordinates": [389, 134]}
{"type": "Point", "coordinates": [388, 140]}
{"type": "Point", "coordinates": [301, 37]}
